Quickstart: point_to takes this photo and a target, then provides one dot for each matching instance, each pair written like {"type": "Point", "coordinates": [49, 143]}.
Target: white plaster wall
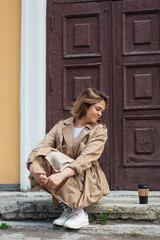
{"type": "Point", "coordinates": [33, 81]}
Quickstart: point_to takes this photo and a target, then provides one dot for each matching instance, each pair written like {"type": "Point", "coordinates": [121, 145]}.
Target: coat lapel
{"type": "Point", "coordinates": [68, 134]}
{"type": "Point", "coordinates": [87, 129]}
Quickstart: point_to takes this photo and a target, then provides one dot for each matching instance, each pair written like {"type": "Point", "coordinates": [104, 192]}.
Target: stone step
{"type": "Point", "coordinates": [38, 205]}
{"type": "Point", "coordinates": [34, 229]}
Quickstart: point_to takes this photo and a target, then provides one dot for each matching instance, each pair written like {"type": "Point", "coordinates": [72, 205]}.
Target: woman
{"type": "Point", "coordinates": [65, 162]}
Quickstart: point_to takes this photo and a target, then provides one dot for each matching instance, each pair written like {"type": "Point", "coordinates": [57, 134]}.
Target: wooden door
{"type": "Point", "coordinates": [113, 46]}
{"type": "Point", "coordinates": [136, 93]}
{"type": "Point", "coordinates": [78, 56]}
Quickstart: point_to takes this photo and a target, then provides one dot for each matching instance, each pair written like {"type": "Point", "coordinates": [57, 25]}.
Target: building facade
{"type": "Point", "coordinates": [23, 76]}
{"type": "Point", "coordinates": [54, 49]}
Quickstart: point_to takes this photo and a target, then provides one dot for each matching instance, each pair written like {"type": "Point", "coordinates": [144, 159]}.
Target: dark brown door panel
{"type": "Point", "coordinates": [113, 46]}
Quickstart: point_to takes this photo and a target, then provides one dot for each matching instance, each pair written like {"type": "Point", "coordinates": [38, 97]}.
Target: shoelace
{"type": "Point", "coordinates": [74, 214]}
{"type": "Point", "coordinates": [65, 213]}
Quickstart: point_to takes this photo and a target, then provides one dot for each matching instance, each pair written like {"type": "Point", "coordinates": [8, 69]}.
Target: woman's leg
{"type": "Point", "coordinates": [40, 170]}
{"type": "Point", "coordinates": [71, 217]}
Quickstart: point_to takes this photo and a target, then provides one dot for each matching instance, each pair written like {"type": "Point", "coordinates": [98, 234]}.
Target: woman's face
{"type": "Point", "coordinates": [94, 112]}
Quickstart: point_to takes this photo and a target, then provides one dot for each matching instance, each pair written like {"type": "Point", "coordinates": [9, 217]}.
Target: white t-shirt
{"type": "Point", "coordinates": [77, 132]}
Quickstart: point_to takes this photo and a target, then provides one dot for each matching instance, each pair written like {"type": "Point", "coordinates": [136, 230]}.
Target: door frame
{"type": "Point", "coordinates": [32, 81]}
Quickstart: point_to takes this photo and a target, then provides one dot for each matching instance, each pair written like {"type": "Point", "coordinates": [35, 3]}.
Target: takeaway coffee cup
{"type": "Point", "coordinates": [143, 193]}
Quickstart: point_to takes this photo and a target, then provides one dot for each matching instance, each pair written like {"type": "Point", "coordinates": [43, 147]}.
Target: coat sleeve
{"type": "Point", "coordinates": [45, 146]}
{"type": "Point", "coordinates": [92, 151]}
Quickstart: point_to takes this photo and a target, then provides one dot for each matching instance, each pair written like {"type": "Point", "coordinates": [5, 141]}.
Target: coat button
{"type": "Point", "coordinates": [94, 176]}
{"type": "Point", "coordinates": [90, 195]}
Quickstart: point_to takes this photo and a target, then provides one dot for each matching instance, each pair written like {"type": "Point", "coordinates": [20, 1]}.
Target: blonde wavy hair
{"type": "Point", "coordinates": [87, 98]}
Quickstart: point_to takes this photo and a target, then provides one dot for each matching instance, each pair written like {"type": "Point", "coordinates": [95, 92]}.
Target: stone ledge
{"type": "Point", "coordinates": [38, 205]}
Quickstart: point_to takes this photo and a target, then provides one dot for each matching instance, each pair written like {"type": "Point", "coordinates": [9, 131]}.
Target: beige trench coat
{"type": "Point", "coordinates": [89, 183]}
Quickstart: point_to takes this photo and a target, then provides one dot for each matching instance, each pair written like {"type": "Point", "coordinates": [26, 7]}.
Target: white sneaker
{"type": "Point", "coordinates": [77, 220]}
{"type": "Point", "coordinates": [62, 219]}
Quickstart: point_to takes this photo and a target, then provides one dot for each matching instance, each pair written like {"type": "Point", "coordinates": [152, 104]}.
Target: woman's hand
{"type": "Point", "coordinates": [56, 179]}
{"type": "Point", "coordinates": [39, 177]}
